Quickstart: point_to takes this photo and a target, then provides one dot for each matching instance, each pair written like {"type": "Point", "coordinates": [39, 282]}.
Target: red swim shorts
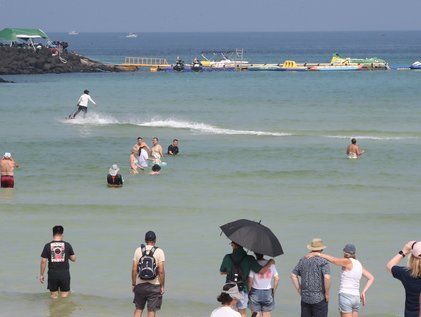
{"type": "Point", "coordinates": [7, 181]}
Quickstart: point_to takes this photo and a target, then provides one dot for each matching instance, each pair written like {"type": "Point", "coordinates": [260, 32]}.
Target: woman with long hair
{"type": "Point", "coordinates": [349, 289]}
{"type": "Point", "coordinates": [410, 276]}
{"type": "Point", "coordinates": [228, 299]}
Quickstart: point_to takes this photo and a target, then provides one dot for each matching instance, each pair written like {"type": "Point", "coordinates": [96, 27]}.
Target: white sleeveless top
{"type": "Point", "coordinates": [350, 280]}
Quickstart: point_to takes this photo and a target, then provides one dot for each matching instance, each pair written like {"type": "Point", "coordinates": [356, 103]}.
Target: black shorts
{"type": "Point", "coordinates": [147, 293]}
{"type": "Point", "coordinates": [59, 281]}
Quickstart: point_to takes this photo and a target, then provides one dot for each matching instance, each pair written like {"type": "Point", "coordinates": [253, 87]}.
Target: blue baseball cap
{"type": "Point", "coordinates": [150, 236]}
{"type": "Point", "coordinates": [350, 248]}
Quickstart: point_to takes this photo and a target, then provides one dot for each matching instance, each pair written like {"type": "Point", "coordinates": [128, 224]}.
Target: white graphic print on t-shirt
{"type": "Point", "coordinates": [57, 252]}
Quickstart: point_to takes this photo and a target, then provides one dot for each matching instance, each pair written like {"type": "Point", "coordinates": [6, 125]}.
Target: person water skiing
{"type": "Point", "coordinates": [82, 104]}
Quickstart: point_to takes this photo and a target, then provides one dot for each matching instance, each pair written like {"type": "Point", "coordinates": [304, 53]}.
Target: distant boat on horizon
{"type": "Point", "coordinates": [73, 33]}
{"type": "Point", "coordinates": [131, 35]}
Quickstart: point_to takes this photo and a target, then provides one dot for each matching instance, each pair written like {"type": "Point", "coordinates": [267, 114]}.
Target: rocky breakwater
{"type": "Point", "coordinates": [18, 60]}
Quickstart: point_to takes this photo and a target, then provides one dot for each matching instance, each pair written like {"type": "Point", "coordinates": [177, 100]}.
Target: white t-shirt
{"type": "Point", "coordinates": [225, 311]}
{"type": "Point", "coordinates": [143, 158]}
{"type": "Point", "coordinates": [84, 99]}
{"type": "Point", "coordinates": [263, 281]}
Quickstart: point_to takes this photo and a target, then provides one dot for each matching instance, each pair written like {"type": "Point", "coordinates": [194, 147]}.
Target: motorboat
{"type": "Point", "coordinates": [224, 60]}
{"type": "Point", "coordinates": [196, 66]}
{"type": "Point", "coordinates": [73, 33]}
{"type": "Point", "coordinates": [131, 35]}
{"type": "Point", "coordinates": [415, 65]}
{"type": "Point", "coordinates": [179, 65]}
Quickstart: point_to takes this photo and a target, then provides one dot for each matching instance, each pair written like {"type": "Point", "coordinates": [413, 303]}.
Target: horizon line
{"type": "Point", "coordinates": [267, 31]}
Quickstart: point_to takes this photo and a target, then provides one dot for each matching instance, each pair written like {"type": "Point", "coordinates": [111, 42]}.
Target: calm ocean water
{"type": "Point", "coordinates": [264, 146]}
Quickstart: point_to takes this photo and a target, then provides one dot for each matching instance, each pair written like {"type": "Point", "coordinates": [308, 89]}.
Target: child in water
{"type": "Point", "coordinates": [133, 163]}
{"type": "Point", "coordinates": [155, 170]}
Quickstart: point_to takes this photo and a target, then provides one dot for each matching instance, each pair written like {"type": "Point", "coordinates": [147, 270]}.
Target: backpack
{"type": "Point", "coordinates": [236, 274]}
{"type": "Point", "coordinates": [146, 268]}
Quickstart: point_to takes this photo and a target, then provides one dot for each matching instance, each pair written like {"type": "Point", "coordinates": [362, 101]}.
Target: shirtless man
{"type": "Point", "coordinates": [353, 150]}
{"type": "Point", "coordinates": [156, 150]}
{"type": "Point", "coordinates": [8, 165]}
{"type": "Point", "coordinates": [137, 146]}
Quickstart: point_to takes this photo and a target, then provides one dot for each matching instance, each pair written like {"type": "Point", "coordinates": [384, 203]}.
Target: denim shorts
{"type": "Point", "coordinates": [261, 300]}
{"type": "Point", "coordinates": [242, 303]}
{"type": "Point", "coordinates": [348, 303]}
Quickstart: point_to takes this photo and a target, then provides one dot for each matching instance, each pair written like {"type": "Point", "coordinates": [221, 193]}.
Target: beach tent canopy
{"type": "Point", "coordinates": [12, 35]}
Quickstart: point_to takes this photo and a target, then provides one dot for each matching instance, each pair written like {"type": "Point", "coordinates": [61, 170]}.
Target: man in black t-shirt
{"type": "Point", "coordinates": [173, 148]}
{"type": "Point", "coordinates": [57, 253]}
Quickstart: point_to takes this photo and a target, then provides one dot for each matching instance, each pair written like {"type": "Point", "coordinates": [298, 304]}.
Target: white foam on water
{"type": "Point", "coordinates": [203, 128]}
{"type": "Point", "coordinates": [92, 118]}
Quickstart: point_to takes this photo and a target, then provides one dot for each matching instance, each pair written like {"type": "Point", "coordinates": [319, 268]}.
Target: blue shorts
{"type": "Point", "coordinates": [243, 303]}
{"type": "Point", "coordinates": [261, 300]}
{"type": "Point", "coordinates": [348, 303]}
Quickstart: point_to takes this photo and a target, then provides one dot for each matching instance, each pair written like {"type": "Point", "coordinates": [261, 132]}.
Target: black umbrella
{"type": "Point", "coordinates": [253, 236]}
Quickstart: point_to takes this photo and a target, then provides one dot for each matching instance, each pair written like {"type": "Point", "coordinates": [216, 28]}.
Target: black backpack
{"type": "Point", "coordinates": [146, 268]}
{"type": "Point", "coordinates": [236, 274]}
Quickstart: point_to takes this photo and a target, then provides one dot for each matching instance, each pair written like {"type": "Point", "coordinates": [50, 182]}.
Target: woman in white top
{"type": "Point", "coordinates": [142, 160]}
{"type": "Point", "coordinates": [228, 298]}
{"type": "Point", "coordinates": [349, 289]}
{"type": "Point", "coordinates": [262, 291]}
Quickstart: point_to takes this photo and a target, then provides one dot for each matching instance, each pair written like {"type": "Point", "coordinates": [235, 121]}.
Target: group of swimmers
{"type": "Point", "coordinates": [140, 156]}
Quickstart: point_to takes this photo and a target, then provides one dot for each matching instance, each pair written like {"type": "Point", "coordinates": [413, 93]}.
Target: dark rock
{"type": "Point", "coordinates": [18, 60]}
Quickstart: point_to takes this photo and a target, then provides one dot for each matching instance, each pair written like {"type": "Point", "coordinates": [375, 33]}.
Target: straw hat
{"type": "Point", "coordinates": [316, 245]}
{"type": "Point", "coordinates": [114, 170]}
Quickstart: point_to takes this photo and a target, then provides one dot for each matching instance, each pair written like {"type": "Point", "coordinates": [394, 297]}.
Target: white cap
{"type": "Point", "coordinates": [7, 155]}
{"type": "Point", "coordinates": [233, 291]}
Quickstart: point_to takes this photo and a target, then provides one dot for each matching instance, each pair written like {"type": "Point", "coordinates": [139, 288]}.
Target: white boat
{"type": "Point", "coordinates": [415, 65]}
{"type": "Point", "coordinates": [73, 33]}
{"type": "Point", "coordinates": [224, 59]}
{"type": "Point", "coordinates": [131, 35]}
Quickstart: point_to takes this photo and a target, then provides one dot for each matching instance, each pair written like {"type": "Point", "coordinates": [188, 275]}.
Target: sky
{"type": "Point", "coordinates": [211, 15]}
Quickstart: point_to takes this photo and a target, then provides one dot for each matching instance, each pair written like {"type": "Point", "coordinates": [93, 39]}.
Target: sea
{"type": "Point", "coordinates": [264, 146]}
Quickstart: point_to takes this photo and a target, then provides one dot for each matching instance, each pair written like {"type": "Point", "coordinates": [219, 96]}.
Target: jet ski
{"type": "Point", "coordinates": [179, 65]}
{"type": "Point", "coordinates": [196, 66]}
{"type": "Point", "coordinates": [416, 65]}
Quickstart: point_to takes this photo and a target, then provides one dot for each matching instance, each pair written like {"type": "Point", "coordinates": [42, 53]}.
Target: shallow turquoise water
{"type": "Point", "coordinates": [263, 146]}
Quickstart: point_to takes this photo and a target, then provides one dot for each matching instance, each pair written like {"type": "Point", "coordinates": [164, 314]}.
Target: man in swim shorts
{"type": "Point", "coordinates": [82, 104]}
{"type": "Point", "coordinates": [57, 253]}
{"type": "Point", "coordinates": [8, 165]}
{"type": "Point", "coordinates": [156, 151]}
{"type": "Point", "coordinates": [353, 150]}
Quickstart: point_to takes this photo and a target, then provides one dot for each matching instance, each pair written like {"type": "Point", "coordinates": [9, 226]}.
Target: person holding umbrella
{"type": "Point", "coordinates": [237, 266]}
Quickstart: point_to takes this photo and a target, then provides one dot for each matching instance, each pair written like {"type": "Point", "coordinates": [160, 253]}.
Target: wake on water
{"type": "Point", "coordinates": [98, 119]}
